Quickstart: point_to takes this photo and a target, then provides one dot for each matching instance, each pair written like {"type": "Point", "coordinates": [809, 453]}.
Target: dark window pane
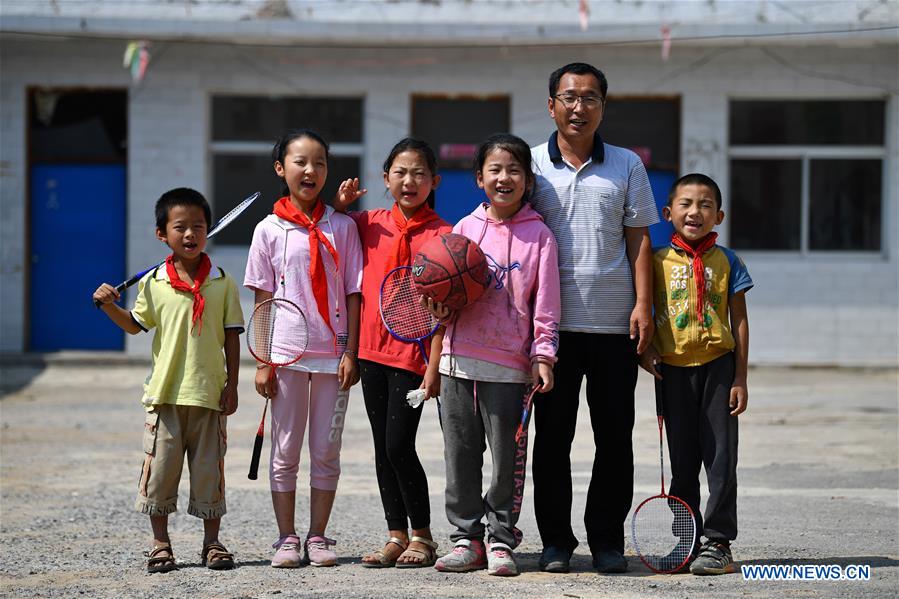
{"type": "Point", "coordinates": [243, 118]}
{"type": "Point", "coordinates": [78, 126]}
{"type": "Point", "coordinates": [845, 205]}
{"type": "Point", "coordinates": [830, 122]}
{"type": "Point", "coordinates": [454, 126]}
{"type": "Point", "coordinates": [237, 176]}
{"type": "Point", "coordinates": [765, 205]}
{"type": "Point", "coordinates": [650, 124]}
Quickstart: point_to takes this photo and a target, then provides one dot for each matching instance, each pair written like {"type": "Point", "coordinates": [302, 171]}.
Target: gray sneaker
{"type": "Point", "coordinates": [713, 558]}
{"type": "Point", "coordinates": [500, 561]}
{"type": "Point", "coordinates": [467, 555]}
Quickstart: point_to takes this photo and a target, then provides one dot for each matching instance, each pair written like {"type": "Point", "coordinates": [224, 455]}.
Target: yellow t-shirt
{"type": "Point", "coordinates": [188, 366]}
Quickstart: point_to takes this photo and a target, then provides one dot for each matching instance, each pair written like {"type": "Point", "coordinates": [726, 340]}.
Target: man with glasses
{"type": "Point", "coordinates": [597, 201]}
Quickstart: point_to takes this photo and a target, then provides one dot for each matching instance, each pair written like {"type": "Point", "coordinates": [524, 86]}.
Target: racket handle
{"type": "Point", "coordinates": [124, 285]}
{"type": "Point", "coordinates": [254, 461]}
{"type": "Point", "coordinates": [659, 395]}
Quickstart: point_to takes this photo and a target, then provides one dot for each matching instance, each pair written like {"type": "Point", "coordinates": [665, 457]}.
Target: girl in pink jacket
{"type": "Point", "coordinates": [494, 352]}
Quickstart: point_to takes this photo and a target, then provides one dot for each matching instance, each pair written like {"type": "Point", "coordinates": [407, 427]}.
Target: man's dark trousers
{"type": "Point", "coordinates": [609, 363]}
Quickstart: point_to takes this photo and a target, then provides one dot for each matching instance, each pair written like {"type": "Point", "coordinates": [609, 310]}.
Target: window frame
{"type": "Point", "coordinates": [806, 153]}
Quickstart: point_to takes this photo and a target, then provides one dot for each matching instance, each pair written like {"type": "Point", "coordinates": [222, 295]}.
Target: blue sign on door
{"type": "Point", "coordinates": [77, 242]}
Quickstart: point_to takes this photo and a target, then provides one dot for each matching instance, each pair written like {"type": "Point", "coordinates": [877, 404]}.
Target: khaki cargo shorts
{"type": "Point", "coordinates": [169, 432]}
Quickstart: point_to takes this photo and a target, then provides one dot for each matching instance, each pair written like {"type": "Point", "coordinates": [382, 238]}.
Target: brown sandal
{"type": "Point", "coordinates": [216, 557]}
{"type": "Point", "coordinates": [383, 560]}
{"type": "Point", "coordinates": [161, 559]}
{"type": "Point", "coordinates": [428, 557]}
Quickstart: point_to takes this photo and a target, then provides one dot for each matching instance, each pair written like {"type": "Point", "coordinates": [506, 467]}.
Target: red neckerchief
{"type": "Point", "coordinates": [179, 285]}
{"type": "Point", "coordinates": [698, 267]}
{"type": "Point", "coordinates": [402, 249]}
{"type": "Point", "coordinates": [288, 211]}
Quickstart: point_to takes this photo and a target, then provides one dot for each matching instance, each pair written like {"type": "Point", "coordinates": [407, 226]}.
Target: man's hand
{"type": "Point", "coordinates": [642, 326]}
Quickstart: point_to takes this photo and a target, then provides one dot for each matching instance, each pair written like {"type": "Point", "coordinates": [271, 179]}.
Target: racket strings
{"type": "Point", "coordinates": [400, 308]}
{"type": "Point", "coordinates": [277, 333]}
{"type": "Point", "coordinates": [664, 533]}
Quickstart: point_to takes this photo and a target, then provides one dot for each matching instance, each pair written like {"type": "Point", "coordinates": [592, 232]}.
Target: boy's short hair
{"type": "Point", "coordinates": [180, 196]}
{"type": "Point", "coordinates": [578, 68]}
{"type": "Point", "coordinates": [696, 179]}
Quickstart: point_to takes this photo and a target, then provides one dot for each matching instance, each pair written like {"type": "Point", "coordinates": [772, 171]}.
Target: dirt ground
{"type": "Point", "coordinates": [818, 485]}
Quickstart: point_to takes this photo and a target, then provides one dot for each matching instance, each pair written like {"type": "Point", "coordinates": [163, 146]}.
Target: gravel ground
{"type": "Point", "coordinates": [818, 485]}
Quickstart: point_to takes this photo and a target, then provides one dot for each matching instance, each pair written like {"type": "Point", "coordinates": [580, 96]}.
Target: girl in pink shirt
{"type": "Point", "coordinates": [310, 255]}
{"type": "Point", "coordinates": [494, 352]}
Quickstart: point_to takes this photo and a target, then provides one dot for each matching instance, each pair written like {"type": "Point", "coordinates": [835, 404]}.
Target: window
{"type": "Point", "coordinates": [453, 127]}
{"type": "Point", "coordinates": [806, 176]}
{"type": "Point", "coordinates": [244, 129]}
{"type": "Point", "coordinates": [649, 126]}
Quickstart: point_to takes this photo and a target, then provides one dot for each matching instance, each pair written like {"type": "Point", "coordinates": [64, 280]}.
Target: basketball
{"type": "Point", "coordinates": [451, 269]}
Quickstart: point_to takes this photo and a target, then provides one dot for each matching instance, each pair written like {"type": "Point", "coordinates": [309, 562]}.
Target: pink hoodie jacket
{"type": "Point", "coordinates": [516, 321]}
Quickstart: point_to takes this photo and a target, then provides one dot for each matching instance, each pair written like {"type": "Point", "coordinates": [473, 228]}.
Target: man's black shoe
{"type": "Point", "coordinates": [555, 559]}
{"type": "Point", "coordinates": [609, 561]}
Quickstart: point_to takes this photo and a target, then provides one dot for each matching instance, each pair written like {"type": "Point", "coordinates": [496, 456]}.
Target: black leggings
{"type": "Point", "coordinates": [394, 425]}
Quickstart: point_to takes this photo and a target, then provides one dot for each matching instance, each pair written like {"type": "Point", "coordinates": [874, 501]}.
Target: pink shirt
{"type": "Point", "coordinates": [279, 263]}
{"type": "Point", "coordinates": [516, 321]}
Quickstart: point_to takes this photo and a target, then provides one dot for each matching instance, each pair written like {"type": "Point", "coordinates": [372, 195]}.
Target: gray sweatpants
{"type": "Point", "coordinates": [469, 427]}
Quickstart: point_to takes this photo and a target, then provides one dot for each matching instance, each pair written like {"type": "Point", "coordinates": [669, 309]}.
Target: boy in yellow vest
{"type": "Point", "coordinates": [699, 353]}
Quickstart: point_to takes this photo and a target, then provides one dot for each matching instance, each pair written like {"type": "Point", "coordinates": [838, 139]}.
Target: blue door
{"type": "Point", "coordinates": [77, 242]}
{"type": "Point", "coordinates": [660, 182]}
{"type": "Point", "coordinates": [457, 195]}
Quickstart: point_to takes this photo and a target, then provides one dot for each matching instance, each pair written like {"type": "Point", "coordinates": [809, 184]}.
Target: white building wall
{"type": "Point", "coordinates": [804, 309]}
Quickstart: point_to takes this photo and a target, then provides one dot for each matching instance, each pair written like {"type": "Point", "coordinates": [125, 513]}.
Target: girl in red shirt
{"type": "Point", "coordinates": [390, 368]}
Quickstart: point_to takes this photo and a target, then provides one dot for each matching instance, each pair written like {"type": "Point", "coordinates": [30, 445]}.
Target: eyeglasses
{"type": "Point", "coordinates": [571, 100]}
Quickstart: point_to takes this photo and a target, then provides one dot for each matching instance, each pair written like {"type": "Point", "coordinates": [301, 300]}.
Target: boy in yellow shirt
{"type": "Point", "coordinates": [699, 353]}
{"type": "Point", "coordinates": [188, 395]}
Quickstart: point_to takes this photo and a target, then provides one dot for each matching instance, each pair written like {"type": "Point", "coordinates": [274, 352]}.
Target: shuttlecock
{"type": "Point", "coordinates": [415, 398]}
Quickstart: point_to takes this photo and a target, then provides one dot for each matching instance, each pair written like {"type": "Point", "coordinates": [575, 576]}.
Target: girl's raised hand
{"type": "Point", "coordinates": [347, 193]}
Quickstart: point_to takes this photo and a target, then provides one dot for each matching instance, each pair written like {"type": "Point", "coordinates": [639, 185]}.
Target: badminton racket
{"type": "Point", "coordinates": [522, 431]}
{"type": "Point", "coordinates": [521, 455]}
{"type": "Point", "coordinates": [663, 527]}
{"type": "Point", "coordinates": [277, 335]}
{"type": "Point", "coordinates": [223, 222]}
{"type": "Point", "coordinates": [402, 314]}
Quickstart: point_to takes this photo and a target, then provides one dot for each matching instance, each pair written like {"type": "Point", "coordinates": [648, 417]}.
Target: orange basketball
{"type": "Point", "coordinates": [452, 270]}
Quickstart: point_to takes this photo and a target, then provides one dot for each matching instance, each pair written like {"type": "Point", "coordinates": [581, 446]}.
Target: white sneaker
{"type": "Point", "coordinates": [501, 561]}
